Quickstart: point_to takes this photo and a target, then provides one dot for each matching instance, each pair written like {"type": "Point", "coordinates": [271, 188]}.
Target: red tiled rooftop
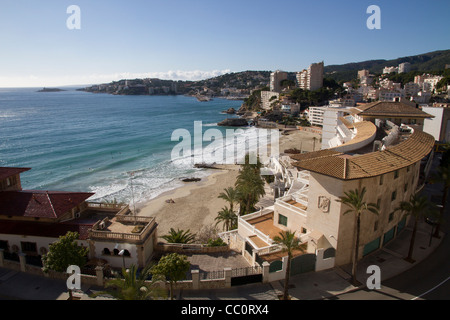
{"type": "Point", "coordinates": [40, 204]}
{"type": "Point", "coordinates": [6, 172]}
{"type": "Point", "coordinates": [39, 229]}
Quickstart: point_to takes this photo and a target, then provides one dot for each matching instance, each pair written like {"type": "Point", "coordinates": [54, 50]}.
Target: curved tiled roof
{"type": "Point", "coordinates": [347, 167]}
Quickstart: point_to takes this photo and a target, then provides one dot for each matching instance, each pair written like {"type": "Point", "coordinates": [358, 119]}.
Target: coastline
{"type": "Point", "coordinates": [196, 204]}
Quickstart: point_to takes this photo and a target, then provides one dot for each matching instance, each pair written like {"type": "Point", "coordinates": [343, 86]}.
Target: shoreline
{"type": "Point", "coordinates": [196, 204]}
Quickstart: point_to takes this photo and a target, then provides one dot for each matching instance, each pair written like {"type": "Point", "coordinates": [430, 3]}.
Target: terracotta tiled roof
{"type": "Point", "coordinates": [6, 172]}
{"type": "Point", "coordinates": [390, 109]}
{"type": "Point", "coordinates": [347, 167]}
{"type": "Point", "coordinates": [40, 204]}
{"type": "Point", "coordinates": [39, 229]}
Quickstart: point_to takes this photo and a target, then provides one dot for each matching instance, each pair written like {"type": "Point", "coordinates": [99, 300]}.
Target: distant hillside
{"type": "Point", "coordinates": [423, 62]}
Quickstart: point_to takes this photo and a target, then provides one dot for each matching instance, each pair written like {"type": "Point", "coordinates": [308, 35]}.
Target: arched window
{"type": "Point", "coordinates": [106, 251]}
{"type": "Point", "coordinates": [116, 252]}
{"type": "Point", "coordinates": [43, 251]}
{"type": "Point", "coordinates": [126, 253]}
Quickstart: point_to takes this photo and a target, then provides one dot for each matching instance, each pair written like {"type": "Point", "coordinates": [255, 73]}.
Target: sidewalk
{"type": "Point", "coordinates": [390, 259]}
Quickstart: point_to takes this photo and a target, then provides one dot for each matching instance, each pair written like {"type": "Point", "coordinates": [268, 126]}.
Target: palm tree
{"type": "Point", "coordinates": [354, 199]}
{"type": "Point", "coordinates": [133, 287]}
{"type": "Point", "coordinates": [179, 236]}
{"type": "Point", "coordinates": [228, 217]}
{"type": "Point", "coordinates": [289, 242]}
{"type": "Point", "coordinates": [417, 206]}
{"type": "Point", "coordinates": [230, 195]}
{"type": "Point", "coordinates": [249, 186]}
{"type": "Point", "coordinates": [442, 176]}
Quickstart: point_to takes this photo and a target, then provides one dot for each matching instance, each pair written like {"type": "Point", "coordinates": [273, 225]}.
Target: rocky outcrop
{"type": "Point", "coordinates": [230, 111]}
{"type": "Point", "coordinates": [233, 122]}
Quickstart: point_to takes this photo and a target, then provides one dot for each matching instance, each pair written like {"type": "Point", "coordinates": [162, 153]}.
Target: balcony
{"type": "Point", "coordinates": [115, 223]}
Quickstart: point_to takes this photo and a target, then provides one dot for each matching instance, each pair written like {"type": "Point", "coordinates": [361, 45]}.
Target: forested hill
{"type": "Point", "coordinates": [431, 61]}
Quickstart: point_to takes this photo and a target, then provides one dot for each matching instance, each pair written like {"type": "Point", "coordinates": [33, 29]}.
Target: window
{"type": "Point", "coordinates": [106, 251]}
{"type": "Point", "coordinates": [408, 168]}
{"type": "Point", "coordinates": [394, 195]}
{"type": "Point", "coordinates": [304, 230]}
{"type": "Point", "coordinates": [8, 182]}
{"type": "Point", "coordinates": [395, 174]}
{"type": "Point", "coordinates": [406, 187]}
{"type": "Point", "coordinates": [29, 247]}
{"type": "Point", "coordinates": [282, 220]}
{"type": "Point", "coordinates": [391, 216]}
{"type": "Point", "coordinates": [381, 180]}
{"type": "Point", "coordinates": [379, 203]}
{"type": "Point", "coordinates": [375, 226]}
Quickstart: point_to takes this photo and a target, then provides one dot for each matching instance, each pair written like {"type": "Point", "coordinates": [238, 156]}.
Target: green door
{"type": "Point", "coordinates": [371, 246]}
{"type": "Point", "coordinates": [401, 224]}
{"type": "Point", "coordinates": [303, 263]}
{"type": "Point", "coordinates": [388, 236]}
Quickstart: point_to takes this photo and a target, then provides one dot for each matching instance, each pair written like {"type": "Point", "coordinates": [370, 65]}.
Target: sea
{"type": "Point", "coordinates": [118, 147]}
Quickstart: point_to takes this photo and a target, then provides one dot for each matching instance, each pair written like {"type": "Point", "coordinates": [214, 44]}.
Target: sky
{"type": "Point", "coordinates": [198, 39]}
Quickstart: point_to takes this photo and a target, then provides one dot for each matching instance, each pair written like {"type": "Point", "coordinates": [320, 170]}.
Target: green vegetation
{"type": "Point", "coordinates": [417, 207]}
{"type": "Point", "coordinates": [253, 102]}
{"type": "Point", "coordinates": [289, 243]}
{"type": "Point", "coordinates": [423, 63]}
{"type": "Point", "coordinates": [179, 236]}
{"type": "Point", "coordinates": [130, 286]}
{"type": "Point", "coordinates": [173, 267]}
{"type": "Point", "coordinates": [64, 253]}
{"type": "Point", "coordinates": [354, 199]}
{"type": "Point", "coordinates": [249, 185]}
{"type": "Point", "coordinates": [228, 218]}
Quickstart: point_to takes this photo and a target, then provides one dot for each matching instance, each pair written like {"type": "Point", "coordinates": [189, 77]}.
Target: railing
{"type": "Point", "coordinates": [100, 234]}
{"type": "Point", "coordinates": [102, 205]}
{"type": "Point", "coordinates": [281, 202]}
{"type": "Point", "coordinates": [255, 231]}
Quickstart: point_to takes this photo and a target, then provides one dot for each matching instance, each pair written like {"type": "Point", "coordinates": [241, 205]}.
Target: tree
{"type": "Point", "coordinates": [442, 176]}
{"type": "Point", "coordinates": [131, 286]}
{"type": "Point", "coordinates": [354, 199]}
{"type": "Point", "coordinates": [228, 218]}
{"type": "Point", "coordinates": [289, 242]}
{"type": "Point", "coordinates": [179, 236]}
{"type": "Point", "coordinates": [417, 206]}
{"type": "Point", "coordinates": [64, 253]}
{"type": "Point", "coordinates": [249, 185]}
{"type": "Point", "coordinates": [172, 266]}
{"type": "Point", "coordinates": [230, 195]}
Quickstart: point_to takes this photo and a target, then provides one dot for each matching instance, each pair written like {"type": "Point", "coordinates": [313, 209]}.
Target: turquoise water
{"type": "Point", "coordinates": [78, 141]}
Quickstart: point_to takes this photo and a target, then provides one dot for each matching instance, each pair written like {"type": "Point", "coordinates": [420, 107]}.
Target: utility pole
{"type": "Point", "coordinates": [132, 196]}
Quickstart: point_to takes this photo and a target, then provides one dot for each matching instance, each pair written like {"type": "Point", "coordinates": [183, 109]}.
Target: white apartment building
{"type": "Point", "coordinates": [387, 70]}
{"type": "Point", "coordinates": [275, 80]}
{"type": "Point", "coordinates": [312, 78]}
{"type": "Point", "coordinates": [267, 98]}
{"type": "Point", "coordinates": [404, 67]}
{"type": "Point", "coordinates": [315, 115]}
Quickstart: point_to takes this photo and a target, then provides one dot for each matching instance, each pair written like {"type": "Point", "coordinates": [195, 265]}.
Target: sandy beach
{"type": "Point", "coordinates": [196, 204]}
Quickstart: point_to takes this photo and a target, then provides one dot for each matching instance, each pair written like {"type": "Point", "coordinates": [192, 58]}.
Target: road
{"type": "Point", "coordinates": [428, 280]}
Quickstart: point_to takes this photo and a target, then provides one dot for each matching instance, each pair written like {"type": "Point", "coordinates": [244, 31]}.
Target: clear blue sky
{"type": "Point", "coordinates": [199, 38]}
